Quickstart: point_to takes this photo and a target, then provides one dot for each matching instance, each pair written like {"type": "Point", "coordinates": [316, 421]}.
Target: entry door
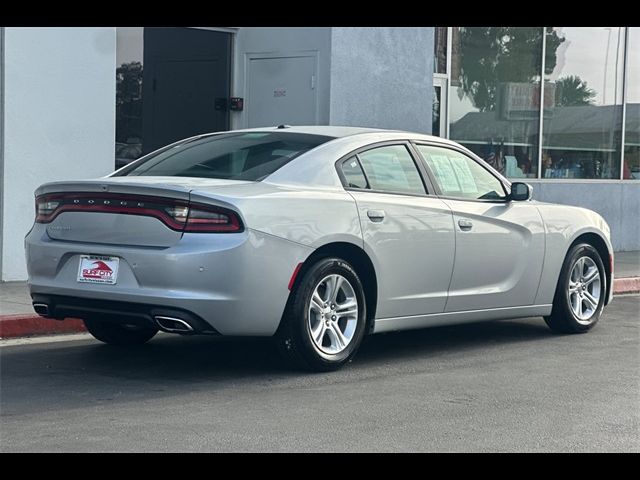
{"type": "Point", "coordinates": [499, 243]}
{"type": "Point", "coordinates": [282, 90]}
{"type": "Point", "coordinates": [185, 84]}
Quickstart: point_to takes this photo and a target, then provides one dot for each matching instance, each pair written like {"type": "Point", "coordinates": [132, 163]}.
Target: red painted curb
{"type": "Point", "coordinates": [626, 285]}
{"type": "Point", "coordinates": [12, 326]}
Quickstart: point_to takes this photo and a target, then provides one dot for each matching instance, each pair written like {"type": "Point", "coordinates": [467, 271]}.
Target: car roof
{"type": "Point", "coordinates": [335, 131]}
{"type": "Point", "coordinates": [345, 132]}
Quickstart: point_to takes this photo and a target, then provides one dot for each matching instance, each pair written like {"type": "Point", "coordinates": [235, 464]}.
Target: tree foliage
{"type": "Point", "coordinates": [493, 55]}
{"type": "Point", "coordinates": [572, 91]}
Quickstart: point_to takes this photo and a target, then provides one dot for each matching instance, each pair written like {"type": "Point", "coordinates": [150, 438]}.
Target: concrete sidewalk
{"type": "Point", "coordinates": [17, 318]}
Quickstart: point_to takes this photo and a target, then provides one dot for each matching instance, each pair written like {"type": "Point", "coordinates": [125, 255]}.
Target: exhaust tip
{"type": "Point", "coordinates": [41, 309]}
{"type": "Point", "coordinates": [172, 324]}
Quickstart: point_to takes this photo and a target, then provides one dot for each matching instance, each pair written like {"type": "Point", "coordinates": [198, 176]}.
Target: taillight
{"type": "Point", "coordinates": [212, 219]}
{"type": "Point", "coordinates": [199, 218]}
{"type": "Point", "coordinates": [176, 214]}
{"type": "Point", "coordinates": [44, 208]}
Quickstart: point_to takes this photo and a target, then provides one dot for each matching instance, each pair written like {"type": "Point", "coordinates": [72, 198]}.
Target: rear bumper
{"type": "Point", "coordinates": [232, 284]}
{"type": "Point", "coordinates": [60, 307]}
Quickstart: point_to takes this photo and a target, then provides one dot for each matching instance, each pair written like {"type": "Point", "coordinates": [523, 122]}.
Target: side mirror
{"type": "Point", "coordinates": [520, 191]}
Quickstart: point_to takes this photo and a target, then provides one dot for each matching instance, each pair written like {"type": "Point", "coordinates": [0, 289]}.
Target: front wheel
{"type": "Point", "coordinates": [581, 291]}
{"type": "Point", "coordinates": [117, 334]}
{"type": "Point", "coordinates": [324, 322]}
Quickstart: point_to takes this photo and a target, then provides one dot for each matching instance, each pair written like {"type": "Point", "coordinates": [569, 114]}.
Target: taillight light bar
{"type": "Point", "coordinates": [176, 214]}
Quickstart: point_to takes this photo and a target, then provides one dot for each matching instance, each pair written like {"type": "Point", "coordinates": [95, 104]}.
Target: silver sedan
{"type": "Point", "coordinates": [317, 236]}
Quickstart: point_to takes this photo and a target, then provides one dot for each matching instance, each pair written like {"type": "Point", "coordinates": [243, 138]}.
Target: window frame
{"type": "Point", "coordinates": [413, 154]}
{"type": "Point", "coordinates": [504, 182]}
{"type": "Point", "coordinates": [364, 174]}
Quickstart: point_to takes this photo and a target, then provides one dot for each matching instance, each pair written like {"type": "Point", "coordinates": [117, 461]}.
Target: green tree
{"type": "Point", "coordinates": [128, 101]}
{"type": "Point", "coordinates": [572, 91]}
{"type": "Point", "coordinates": [493, 55]}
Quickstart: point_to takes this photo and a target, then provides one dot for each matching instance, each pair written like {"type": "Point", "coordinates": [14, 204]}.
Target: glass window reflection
{"type": "Point", "coordinates": [440, 50]}
{"type": "Point", "coordinates": [129, 55]}
{"type": "Point", "coordinates": [631, 165]}
{"type": "Point", "coordinates": [582, 128]}
{"type": "Point", "coordinates": [495, 95]}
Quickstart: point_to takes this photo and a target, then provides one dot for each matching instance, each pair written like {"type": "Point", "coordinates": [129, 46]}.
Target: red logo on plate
{"type": "Point", "coordinates": [99, 270]}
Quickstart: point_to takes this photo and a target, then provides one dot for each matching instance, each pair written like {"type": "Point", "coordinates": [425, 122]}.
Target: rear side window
{"type": "Point", "coordinates": [391, 169]}
{"type": "Point", "coordinates": [353, 174]}
{"type": "Point", "coordinates": [237, 156]}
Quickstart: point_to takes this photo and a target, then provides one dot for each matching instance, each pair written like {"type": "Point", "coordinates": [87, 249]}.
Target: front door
{"type": "Point", "coordinates": [186, 84]}
{"type": "Point", "coordinates": [499, 243]}
{"type": "Point", "coordinates": [407, 233]}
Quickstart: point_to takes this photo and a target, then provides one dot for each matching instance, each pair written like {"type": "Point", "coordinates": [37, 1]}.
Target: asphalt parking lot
{"type": "Point", "coordinates": [498, 386]}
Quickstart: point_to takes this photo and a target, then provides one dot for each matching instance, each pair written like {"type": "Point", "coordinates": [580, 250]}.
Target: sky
{"type": "Point", "coordinates": [129, 45]}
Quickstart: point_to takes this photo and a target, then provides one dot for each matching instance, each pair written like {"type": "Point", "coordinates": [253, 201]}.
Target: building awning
{"type": "Point", "coordinates": [586, 127]}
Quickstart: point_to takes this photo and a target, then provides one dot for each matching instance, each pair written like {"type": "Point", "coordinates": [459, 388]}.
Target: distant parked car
{"type": "Point", "coordinates": [314, 235]}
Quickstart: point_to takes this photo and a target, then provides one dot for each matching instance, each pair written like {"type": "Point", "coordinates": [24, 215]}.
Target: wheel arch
{"type": "Point", "coordinates": [599, 243]}
{"type": "Point", "coordinates": [362, 264]}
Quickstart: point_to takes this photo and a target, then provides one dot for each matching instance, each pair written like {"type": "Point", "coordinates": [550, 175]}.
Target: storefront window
{"type": "Point", "coordinates": [495, 95]}
{"type": "Point", "coordinates": [632, 127]}
{"type": "Point", "coordinates": [582, 129]}
{"type": "Point", "coordinates": [129, 54]}
{"type": "Point", "coordinates": [436, 116]}
{"type": "Point", "coordinates": [440, 50]}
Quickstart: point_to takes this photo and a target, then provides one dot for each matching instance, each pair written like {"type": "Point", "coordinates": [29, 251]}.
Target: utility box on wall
{"type": "Point", "coordinates": [282, 90]}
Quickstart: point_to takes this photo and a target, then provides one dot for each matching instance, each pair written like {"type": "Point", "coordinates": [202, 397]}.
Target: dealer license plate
{"type": "Point", "coordinates": [98, 269]}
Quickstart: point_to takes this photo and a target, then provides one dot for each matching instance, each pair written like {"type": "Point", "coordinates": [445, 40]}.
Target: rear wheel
{"type": "Point", "coordinates": [324, 322]}
{"type": "Point", "coordinates": [118, 334]}
{"type": "Point", "coordinates": [580, 293]}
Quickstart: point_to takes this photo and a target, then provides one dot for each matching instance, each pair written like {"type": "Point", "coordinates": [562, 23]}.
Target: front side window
{"type": "Point", "coordinates": [238, 156]}
{"type": "Point", "coordinates": [391, 169]}
{"type": "Point", "coordinates": [460, 176]}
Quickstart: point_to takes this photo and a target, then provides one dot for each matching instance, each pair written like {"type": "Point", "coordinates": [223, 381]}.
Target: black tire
{"type": "Point", "coordinates": [120, 335]}
{"type": "Point", "coordinates": [562, 318]}
{"type": "Point", "coordinates": [293, 337]}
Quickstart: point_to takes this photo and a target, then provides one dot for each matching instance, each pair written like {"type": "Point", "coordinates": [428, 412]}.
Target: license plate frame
{"type": "Point", "coordinates": [101, 269]}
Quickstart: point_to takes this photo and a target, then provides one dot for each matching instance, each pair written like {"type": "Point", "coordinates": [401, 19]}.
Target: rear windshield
{"type": "Point", "coordinates": [238, 156]}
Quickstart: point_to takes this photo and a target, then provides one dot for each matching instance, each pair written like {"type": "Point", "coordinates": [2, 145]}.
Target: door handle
{"type": "Point", "coordinates": [375, 215]}
{"type": "Point", "coordinates": [465, 225]}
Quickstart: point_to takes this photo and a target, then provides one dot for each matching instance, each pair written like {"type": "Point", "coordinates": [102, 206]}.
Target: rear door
{"type": "Point", "coordinates": [408, 233]}
{"type": "Point", "coordinates": [499, 244]}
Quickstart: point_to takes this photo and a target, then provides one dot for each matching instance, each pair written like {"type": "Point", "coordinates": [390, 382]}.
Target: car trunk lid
{"type": "Point", "coordinates": [118, 211]}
